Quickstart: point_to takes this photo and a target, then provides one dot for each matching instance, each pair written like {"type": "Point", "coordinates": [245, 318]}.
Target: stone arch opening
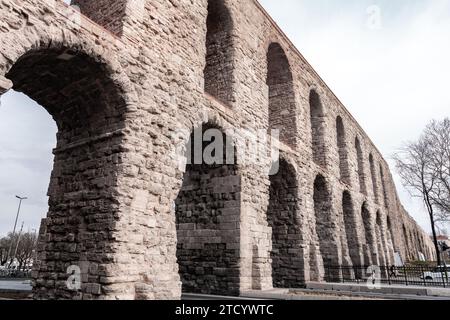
{"type": "Point", "coordinates": [282, 216]}
{"type": "Point", "coordinates": [76, 91]}
{"type": "Point", "coordinates": [208, 214]}
{"type": "Point", "coordinates": [370, 253]}
{"type": "Point", "coordinates": [218, 72]}
{"type": "Point", "coordinates": [317, 118]}
{"type": "Point", "coordinates": [421, 243]}
{"type": "Point", "coordinates": [418, 244]}
{"type": "Point", "coordinates": [325, 228]}
{"type": "Point", "coordinates": [374, 179]}
{"type": "Point", "coordinates": [390, 233]}
{"type": "Point", "coordinates": [381, 242]}
{"type": "Point", "coordinates": [407, 243]}
{"type": "Point", "coordinates": [351, 229]}
{"type": "Point", "coordinates": [383, 185]}
{"type": "Point", "coordinates": [413, 245]}
{"type": "Point", "coordinates": [342, 150]}
{"type": "Point", "coordinates": [391, 243]}
{"type": "Point", "coordinates": [88, 108]}
{"type": "Point", "coordinates": [360, 168]}
{"type": "Point", "coordinates": [282, 113]}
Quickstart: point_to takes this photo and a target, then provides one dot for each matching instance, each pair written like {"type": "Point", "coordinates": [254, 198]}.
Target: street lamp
{"type": "Point", "coordinates": [15, 225]}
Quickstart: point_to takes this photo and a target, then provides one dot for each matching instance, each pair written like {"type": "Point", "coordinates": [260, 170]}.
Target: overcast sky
{"type": "Point", "coordinates": [392, 73]}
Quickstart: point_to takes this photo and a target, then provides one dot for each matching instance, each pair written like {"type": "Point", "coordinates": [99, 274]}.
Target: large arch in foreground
{"type": "Point", "coordinates": [81, 94]}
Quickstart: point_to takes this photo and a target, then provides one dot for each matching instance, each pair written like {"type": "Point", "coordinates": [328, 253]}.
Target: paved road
{"type": "Point", "coordinates": [277, 294]}
{"type": "Point", "coordinates": [15, 285]}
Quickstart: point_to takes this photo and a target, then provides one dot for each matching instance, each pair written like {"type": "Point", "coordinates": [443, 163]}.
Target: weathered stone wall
{"type": "Point", "coordinates": [107, 13]}
{"type": "Point", "coordinates": [128, 88]}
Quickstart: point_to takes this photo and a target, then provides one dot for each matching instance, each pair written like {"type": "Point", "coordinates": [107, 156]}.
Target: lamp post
{"type": "Point", "coordinates": [15, 225]}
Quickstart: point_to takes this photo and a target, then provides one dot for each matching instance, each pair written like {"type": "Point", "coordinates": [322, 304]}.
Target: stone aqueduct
{"type": "Point", "coordinates": [125, 81]}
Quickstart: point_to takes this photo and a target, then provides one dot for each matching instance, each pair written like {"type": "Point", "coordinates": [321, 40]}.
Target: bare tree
{"type": "Point", "coordinates": [25, 248]}
{"type": "Point", "coordinates": [424, 167]}
{"type": "Point", "coordinates": [438, 136]}
{"type": "Point", "coordinates": [4, 245]}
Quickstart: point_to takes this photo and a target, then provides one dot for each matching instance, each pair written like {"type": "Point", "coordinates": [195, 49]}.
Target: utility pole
{"type": "Point", "coordinates": [15, 225]}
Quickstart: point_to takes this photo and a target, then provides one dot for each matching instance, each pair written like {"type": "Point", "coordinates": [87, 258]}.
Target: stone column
{"type": "Point", "coordinates": [256, 235]}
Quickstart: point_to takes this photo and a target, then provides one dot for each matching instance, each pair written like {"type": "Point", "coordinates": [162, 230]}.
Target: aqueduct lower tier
{"type": "Point", "coordinates": [127, 83]}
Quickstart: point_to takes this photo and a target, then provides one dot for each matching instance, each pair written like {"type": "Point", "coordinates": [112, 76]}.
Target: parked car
{"type": "Point", "coordinates": [440, 273]}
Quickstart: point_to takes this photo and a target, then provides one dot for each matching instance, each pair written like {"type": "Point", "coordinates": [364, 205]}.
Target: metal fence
{"type": "Point", "coordinates": [390, 275]}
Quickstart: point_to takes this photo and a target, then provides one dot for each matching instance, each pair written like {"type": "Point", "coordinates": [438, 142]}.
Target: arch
{"type": "Point", "coordinates": [370, 252]}
{"type": "Point", "coordinates": [374, 179]}
{"type": "Point", "coordinates": [360, 168]}
{"type": "Point", "coordinates": [381, 241]}
{"type": "Point", "coordinates": [418, 244]}
{"type": "Point", "coordinates": [407, 243]}
{"type": "Point", "coordinates": [350, 224]}
{"type": "Point", "coordinates": [390, 238]}
{"type": "Point", "coordinates": [325, 228]}
{"type": "Point", "coordinates": [83, 96]}
{"type": "Point", "coordinates": [208, 213]}
{"type": "Point", "coordinates": [390, 230]}
{"type": "Point", "coordinates": [35, 39]}
{"type": "Point", "coordinates": [422, 245]}
{"type": "Point", "coordinates": [76, 76]}
{"type": "Point", "coordinates": [282, 216]}
{"type": "Point", "coordinates": [317, 117]}
{"type": "Point", "coordinates": [342, 150]}
{"type": "Point", "coordinates": [413, 245]}
{"type": "Point", "coordinates": [383, 185]}
{"type": "Point", "coordinates": [282, 111]}
{"type": "Point", "coordinates": [219, 68]}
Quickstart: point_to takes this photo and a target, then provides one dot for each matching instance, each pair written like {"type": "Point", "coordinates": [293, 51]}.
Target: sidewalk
{"type": "Point", "coordinates": [340, 291]}
{"type": "Point", "coordinates": [385, 289]}
{"type": "Point", "coordinates": [15, 289]}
